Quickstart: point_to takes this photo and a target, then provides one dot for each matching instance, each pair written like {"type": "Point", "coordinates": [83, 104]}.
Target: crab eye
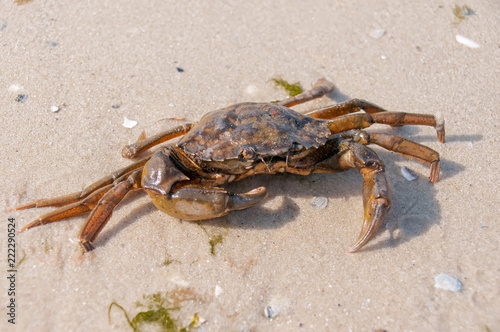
{"type": "Point", "coordinates": [296, 147]}
{"type": "Point", "coordinates": [247, 153]}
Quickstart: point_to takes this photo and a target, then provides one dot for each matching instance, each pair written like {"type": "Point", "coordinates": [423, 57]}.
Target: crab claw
{"type": "Point", "coordinates": [196, 202]}
{"type": "Point", "coordinates": [376, 201]}
{"type": "Point", "coordinates": [243, 201]}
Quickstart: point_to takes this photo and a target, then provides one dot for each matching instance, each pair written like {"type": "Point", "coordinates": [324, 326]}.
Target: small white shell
{"type": "Point", "coordinates": [271, 311]}
{"type": "Point", "coordinates": [377, 33]}
{"type": "Point", "coordinates": [217, 291]}
{"type": "Point", "coordinates": [252, 90]}
{"type": "Point", "coordinates": [197, 321]}
{"type": "Point", "coordinates": [319, 202]}
{"type": "Point", "coordinates": [127, 123]}
{"type": "Point", "coordinates": [466, 41]}
{"type": "Point", "coordinates": [54, 109]}
{"type": "Point", "coordinates": [448, 282]}
{"type": "Point", "coordinates": [15, 87]}
{"type": "Point", "coordinates": [408, 174]}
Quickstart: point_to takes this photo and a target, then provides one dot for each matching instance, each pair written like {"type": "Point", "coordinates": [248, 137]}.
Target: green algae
{"type": "Point", "coordinates": [158, 312]}
{"type": "Point", "coordinates": [461, 12]}
{"type": "Point", "coordinates": [292, 89]}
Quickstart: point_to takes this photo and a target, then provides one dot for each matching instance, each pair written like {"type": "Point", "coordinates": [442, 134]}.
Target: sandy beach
{"type": "Point", "coordinates": [71, 72]}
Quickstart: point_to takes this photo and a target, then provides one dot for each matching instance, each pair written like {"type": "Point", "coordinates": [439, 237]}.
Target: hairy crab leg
{"type": "Point", "coordinates": [75, 197]}
{"type": "Point", "coordinates": [102, 212]}
{"type": "Point", "coordinates": [410, 150]}
{"type": "Point", "coordinates": [346, 107]}
{"type": "Point", "coordinates": [112, 177]}
{"type": "Point", "coordinates": [401, 145]}
{"type": "Point", "coordinates": [79, 207]}
{"type": "Point", "coordinates": [319, 89]}
{"type": "Point", "coordinates": [69, 210]}
{"type": "Point", "coordinates": [131, 150]}
{"type": "Point", "coordinates": [364, 120]}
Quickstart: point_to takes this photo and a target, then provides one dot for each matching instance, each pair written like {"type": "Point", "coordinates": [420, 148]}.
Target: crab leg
{"type": "Point", "coordinates": [320, 88]}
{"type": "Point", "coordinates": [346, 107]}
{"type": "Point", "coordinates": [69, 210]}
{"type": "Point", "coordinates": [102, 212]}
{"type": "Point", "coordinates": [401, 145]}
{"type": "Point", "coordinates": [114, 176]}
{"type": "Point", "coordinates": [364, 120]}
{"type": "Point", "coordinates": [409, 150]}
{"type": "Point", "coordinates": [131, 150]}
{"type": "Point", "coordinates": [75, 197]}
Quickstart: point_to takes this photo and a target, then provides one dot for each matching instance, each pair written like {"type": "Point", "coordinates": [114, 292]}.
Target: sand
{"type": "Point", "coordinates": [101, 61]}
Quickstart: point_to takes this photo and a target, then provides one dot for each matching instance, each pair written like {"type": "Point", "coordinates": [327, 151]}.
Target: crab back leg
{"type": "Point", "coordinates": [69, 210]}
{"type": "Point", "coordinates": [342, 121]}
{"type": "Point", "coordinates": [88, 191]}
{"type": "Point", "coordinates": [131, 150]}
{"type": "Point", "coordinates": [346, 107]}
{"type": "Point", "coordinates": [319, 89]}
{"type": "Point", "coordinates": [364, 120]}
{"type": "Point", "coordinates": [174, 193]}
{"type": "Point", "coordinates": [401, 145]}
{"type": "Point", "coordinates": [410, 150]}
{"type": "Point", "coordinates": [376, 190]}
{"type": "Point", "coordinates": [103, 210]}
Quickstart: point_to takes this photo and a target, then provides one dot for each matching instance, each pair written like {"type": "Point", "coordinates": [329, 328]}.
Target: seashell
{"type": "Point", "coordinates": [448, 282]}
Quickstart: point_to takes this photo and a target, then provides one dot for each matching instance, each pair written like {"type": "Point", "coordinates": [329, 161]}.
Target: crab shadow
{"type": "Point", "coordinates": [413, 212]}
{"type": "Point", "coordinates": [414, 206]}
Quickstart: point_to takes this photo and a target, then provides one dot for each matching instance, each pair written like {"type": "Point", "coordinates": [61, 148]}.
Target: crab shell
{"type": "Point", "coordinates": [252, 131]}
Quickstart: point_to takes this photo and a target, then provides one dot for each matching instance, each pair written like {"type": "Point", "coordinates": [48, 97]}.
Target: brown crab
{"type": "Point", "coordinates": [245, 139]}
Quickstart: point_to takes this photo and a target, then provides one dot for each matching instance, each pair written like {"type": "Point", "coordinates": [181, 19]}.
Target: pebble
{"type": "Point", "coordinates": [319, 202]}
{"type": "Point", "coordinates": [448, 282]}
{"type": "Point", "coordinates": [54, 109]}
{"type": "Point", "coordinates": [21, 98]}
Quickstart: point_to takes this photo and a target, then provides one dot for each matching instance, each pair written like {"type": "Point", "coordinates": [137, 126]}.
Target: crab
{"type": "Point", "coordinates": [186, 179]}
